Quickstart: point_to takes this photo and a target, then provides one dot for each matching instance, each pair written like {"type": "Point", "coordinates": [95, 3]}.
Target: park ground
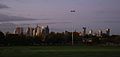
{"type": "Point", "coordinates": [59, 51]}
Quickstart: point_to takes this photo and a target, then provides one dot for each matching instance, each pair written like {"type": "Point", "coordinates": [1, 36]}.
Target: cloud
{"type": "Point", "coordinates": [109, 11]}
{"type": "Point", "coordinates": [3, 6]}
{"type": "Point", "coordinates": [6, 18]}
{"type": "Point", "coordinates": [113, 15]}
{"type": "Point", "coordinates": [108, 21]}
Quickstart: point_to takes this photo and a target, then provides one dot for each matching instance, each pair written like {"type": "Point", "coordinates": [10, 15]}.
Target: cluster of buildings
{"type": "Point", "coordinates": [30, 31]}
{"type": "Point", "coordinates": [38, 30]}
{"type": "Point", "coordinates": [98, 33]}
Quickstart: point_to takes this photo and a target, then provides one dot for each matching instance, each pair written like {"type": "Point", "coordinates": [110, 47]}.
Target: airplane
{"type": "Point", "coordinates": [72, 11]}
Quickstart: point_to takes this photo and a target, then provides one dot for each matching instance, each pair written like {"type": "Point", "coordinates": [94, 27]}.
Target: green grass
{"type": "Point", "coordinates": [59, 51]}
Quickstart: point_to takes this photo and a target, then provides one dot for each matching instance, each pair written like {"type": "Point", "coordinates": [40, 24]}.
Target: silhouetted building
{"type": "Point", "coordinates": [38, 30]}
{"type": "Point", "coordinates": [34, 32]}
{"type": "Point", "coordinates": [41, 30]}
{"type": "Point", "coordinates": [18, 30]}
{"type": "Point", "coordinates": [84, 31]}
{"type": "Point", "coordinates": [91, 32]}
{"type": "Point", "coordinates": [108, 32]}
{"type": "Point", "coordinates": [100, 33]}
{"type": "Point", "coordinates": [45, 32]}
{"type": "Point", "coordinates": [29, 31]}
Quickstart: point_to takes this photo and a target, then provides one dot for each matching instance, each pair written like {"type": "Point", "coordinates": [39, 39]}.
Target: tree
{"type": "Point", "coordinates": [2, 35]}
{"type": "Point", "coordinates": [2, 38]}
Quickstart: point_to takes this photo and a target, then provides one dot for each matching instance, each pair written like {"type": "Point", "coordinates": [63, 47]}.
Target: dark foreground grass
{"type": "Point", "coordinates": [59, 51]}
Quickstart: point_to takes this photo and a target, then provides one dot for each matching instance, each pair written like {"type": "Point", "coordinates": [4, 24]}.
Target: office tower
{"type": "Point", "coordinates": [45, 30]}
{"type": "Point", "coordinates": [29, 31]}
{"type": "Point", "coordinates": [108, 32]}
{"type": "Point", "coordinates": [91, 32]}
{"type": "Point", "coordinates": [34, 32]}
{"type": "Point", "coordinates": [84, 31]}
{"type": "Point", "coordinates": [18, 30]}
{"type": "Point", "coordinates": [100, 33]}
{"type": "Point", "coordinates": [38, 30]}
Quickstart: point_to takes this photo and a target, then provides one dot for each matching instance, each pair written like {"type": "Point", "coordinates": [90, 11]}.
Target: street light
{"type": "Point", "coordinates": [72, 11]}
{"type": "Point", "coordinates": [72, 35]}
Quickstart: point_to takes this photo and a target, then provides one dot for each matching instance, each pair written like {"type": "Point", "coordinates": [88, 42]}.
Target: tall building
{"type": "Point", "coordinates": [34, 32]}
{"type": "Point", "coordinates": [84, 31]}
{"type": "Point", "coordinates": [18, 30]}
{"type": "Point", "coordinates": [38, 30]}
{"type": "Point", "coordinates": [45, 30]}
{"type": "Point", "coordinates": [91, 32]}
{"type": "Point", "coordinates": [108, 32]}
{"type": "Point", "coordinates": [100, 33]}
{"type": "Point", "coordinates": [29, 31]}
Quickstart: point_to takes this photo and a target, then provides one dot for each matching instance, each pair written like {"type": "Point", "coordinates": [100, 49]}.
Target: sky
{"type": "Point", "coordinates": [102, 13]}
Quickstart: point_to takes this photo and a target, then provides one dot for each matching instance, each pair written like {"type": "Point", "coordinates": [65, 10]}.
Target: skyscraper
{"type": "Point", "coordinates": [100, 33]}
{"type": "Point", "coordinates": [29, 31]}
{"type": "Point", "coordinates": [91, 32]}
{"type": "Point", "coordinates": [84, 31]}
{"type": "Point", "coordinates": [38, 30]}
{"type": "Point", "coordinates": [18, 30]}
{"type": "Point", "coordinates": [45, 30]}
{"type": "Point", "coordinates": [108, 32]}
{"type": "Point", "coordinates": [34, 32]}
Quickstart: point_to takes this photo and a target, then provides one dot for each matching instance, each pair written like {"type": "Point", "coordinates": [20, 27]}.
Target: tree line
{"type": "Point", "coordinates": [53, 38]}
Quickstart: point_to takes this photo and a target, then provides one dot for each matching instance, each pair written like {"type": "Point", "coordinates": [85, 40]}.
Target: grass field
{"type": "Point", "coordinates": [59, 51]}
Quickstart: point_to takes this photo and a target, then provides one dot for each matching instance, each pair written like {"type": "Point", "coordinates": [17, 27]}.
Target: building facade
{"type": "Point", "coordinates": [18, 30]}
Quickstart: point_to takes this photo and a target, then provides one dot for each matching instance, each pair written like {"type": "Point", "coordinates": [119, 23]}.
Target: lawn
{"type": "Point", "coordinates": [59, 51]}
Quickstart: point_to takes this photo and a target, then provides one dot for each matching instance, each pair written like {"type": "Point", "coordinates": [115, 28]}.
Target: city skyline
{"type": "Point", "coordinates": [95, 14]}
{"type": "Point", "coordinates": [39, 30]}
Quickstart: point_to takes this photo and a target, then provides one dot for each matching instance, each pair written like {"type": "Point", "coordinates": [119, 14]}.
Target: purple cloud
{"type": "Point", "coordinates": [3, 6]}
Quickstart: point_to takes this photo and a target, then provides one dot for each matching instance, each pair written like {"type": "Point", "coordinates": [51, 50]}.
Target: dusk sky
{"type": "Point", "coordinates": [87, 11]}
